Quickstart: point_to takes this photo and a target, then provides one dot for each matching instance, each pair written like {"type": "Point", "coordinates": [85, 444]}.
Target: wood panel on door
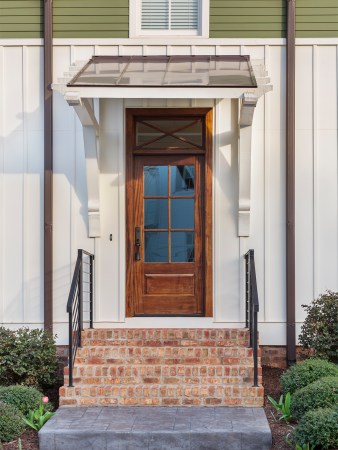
{"type": "Point", "coordinates": [169, 212]}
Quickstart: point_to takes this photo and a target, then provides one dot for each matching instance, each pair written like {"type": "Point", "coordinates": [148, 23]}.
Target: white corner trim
{"type": "Point", "coordinates": [84, 109]}
{"type": "Point", "coordinates": [248, 104]}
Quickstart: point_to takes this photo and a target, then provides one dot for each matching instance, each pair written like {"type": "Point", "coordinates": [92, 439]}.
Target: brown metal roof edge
{"type": "Point", "coordinates": [290, 185]}
{"type": "Point", "coordinates": [48, 165]}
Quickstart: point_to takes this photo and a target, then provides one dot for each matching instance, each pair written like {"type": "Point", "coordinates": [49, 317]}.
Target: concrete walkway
{"type": "Point", "coordinates": [156, 428]}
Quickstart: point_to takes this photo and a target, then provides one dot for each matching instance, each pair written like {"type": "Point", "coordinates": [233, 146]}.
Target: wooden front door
{"type": "Point", "coordinates": [166, 220]}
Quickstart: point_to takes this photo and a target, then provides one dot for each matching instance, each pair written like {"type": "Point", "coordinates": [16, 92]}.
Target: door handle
{"type": "Point", "coordinates": [138, 243]}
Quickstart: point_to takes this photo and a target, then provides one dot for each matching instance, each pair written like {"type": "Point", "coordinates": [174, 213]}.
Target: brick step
{"type": "Point", "coordinates": [128, 352]}
{"type": "Point", "coordinates": [177, 337]}
{"type": "Point", "coordinates": [166, 361]}
{"type": "Point", "coordinates": [162, 395]}
{"type": "Point", "coordinates": [213, 371]}
{"type": "Point", "coordinates": [163, 367]}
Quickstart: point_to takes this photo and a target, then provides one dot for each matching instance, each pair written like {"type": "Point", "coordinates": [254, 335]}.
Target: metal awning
{"type": "Point", "coordinates": [167, 71]}
{"type": "Point", "coordinates": [164, 77]}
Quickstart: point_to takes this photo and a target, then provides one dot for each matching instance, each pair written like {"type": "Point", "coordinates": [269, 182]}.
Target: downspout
{"type": "Point", "coordinates": [290, 183]}
{"type": "Point", "coordinates": [48, 165]}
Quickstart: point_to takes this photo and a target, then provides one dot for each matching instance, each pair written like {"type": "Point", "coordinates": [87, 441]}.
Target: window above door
{"type": "Point", "coordinates": [149, 18]}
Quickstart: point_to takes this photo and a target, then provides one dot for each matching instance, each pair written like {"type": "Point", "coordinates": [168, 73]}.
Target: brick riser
{"type": "Point", "coordinates": [163, 367]}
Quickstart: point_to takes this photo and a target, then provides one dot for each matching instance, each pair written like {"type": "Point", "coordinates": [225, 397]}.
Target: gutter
{"type": "Point", "coordinates": [290, 184]}
{"type": "Point", "coordinates": [48, 165]}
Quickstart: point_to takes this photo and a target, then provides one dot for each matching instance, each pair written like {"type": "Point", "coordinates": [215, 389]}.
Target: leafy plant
{"type": "Point", "coordinates": [320, 329]}
{"type": "Point", "coordinates": [11, 425]}
{"type": "Point", "coordinates": [25, 398]}
{"type": "Point", "coordinates": [36, 419]}
{"type": "Point", "coordinates": [319, 427]}
{"type": "Point", "coordinates": [301, 374]}
{"type": "Point", "coordinates": [27, 357]}
{"type": "Point", "coordinates": [283, 407]}
{"type": "Point", "coordinates": [322, 393]}
{"type": "Point", "coordinates": [304, 447]}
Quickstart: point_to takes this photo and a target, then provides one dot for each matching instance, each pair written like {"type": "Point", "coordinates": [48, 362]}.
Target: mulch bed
{"type": "Point", "coordinates": [29, 441]}
{"type": "Point", "coordinates": [279, 429]}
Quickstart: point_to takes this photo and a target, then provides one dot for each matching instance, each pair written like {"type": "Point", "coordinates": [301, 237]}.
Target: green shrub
{"type": "Point", "coordinates": [24, 398]}
{"type": "Point", "coordinates": [322, 393]}
{"type": "Point", "coordinates": [304, 373]}
{"type": "Point", "coordinates": [27, 357]}
{"type": "Point", "coordinates": [11, 423]}
{"type": "Point", "coordinates": [319, 427]}
{"type": "Point", "coordinates": [320, 329]}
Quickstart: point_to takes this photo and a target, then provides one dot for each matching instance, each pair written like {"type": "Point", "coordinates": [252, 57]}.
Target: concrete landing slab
{"type": "Point", "coordinates": [156, 428]}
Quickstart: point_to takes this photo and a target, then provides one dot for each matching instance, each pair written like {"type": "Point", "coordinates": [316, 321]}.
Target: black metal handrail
{"type": "Point", "coordinates": [80, 297]}
{"type": "Point", "coordinates": [252, 307]}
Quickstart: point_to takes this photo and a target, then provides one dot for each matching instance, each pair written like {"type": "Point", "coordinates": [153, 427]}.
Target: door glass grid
{"type": "Point", "coordinates": [169, 213]}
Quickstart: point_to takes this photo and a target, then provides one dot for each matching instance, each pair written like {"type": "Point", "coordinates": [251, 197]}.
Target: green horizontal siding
{"type": "Point", "coordinates": [91, 18]}
{"type": "Point", "coordinates": [21, 19]}
{"type": "Point", "coordinates": [317, 18]}
{"type": "Point", "coordinates": [110, 18]}
{"type": "Point", "coordinates": [247, 18]}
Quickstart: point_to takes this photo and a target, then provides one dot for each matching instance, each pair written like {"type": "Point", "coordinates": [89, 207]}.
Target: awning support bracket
{"type": "Point", "coordinates": [84, 109]}
{"type": "Point", "coordinates": [248, 105]}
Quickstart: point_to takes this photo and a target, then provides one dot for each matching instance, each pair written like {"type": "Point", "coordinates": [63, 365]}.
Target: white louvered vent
{"type": "Point", "coordinates": [155, 15]}
{"type": "Point", "coordinates": [184, 14]}
{"type": "Point", "coordinates": [170, 14]}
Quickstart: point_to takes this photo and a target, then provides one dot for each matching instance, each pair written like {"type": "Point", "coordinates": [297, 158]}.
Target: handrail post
{"type": "Point", "coordinates": [70, 356]}
{"type": "Point", "coordinates": [75, 307]}
{"type": "Point", "coordinates": [80, 315]}
{"type": "Point", "coordinates": [91, 291]}
{"type": "Point", "coordinates": [255, 350]}
{"type": "Point", "coordinates": [252, 308]}
{"type": "Point", "coordinates": [247, 290]}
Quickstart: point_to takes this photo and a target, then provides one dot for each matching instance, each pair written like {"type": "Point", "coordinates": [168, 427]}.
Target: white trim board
{"type": "Point", "coordinates": [161, 40]}
{"type": "Point", "coordinates": [166, 40]}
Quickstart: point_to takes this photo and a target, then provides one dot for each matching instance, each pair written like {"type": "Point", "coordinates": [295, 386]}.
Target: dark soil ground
{"type": "Point", "coordinates": [279, 429]}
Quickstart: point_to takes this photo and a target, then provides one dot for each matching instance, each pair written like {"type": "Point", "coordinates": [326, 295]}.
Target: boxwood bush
{"type": "Point", "coordinates": [319, 427]}
{"type": "Point", "coordinates": [306, 372]}
{"type": "Point", "coordinates": [320, 328]}
{"type": "Point", "coordinates": [24, 398]}
{"type": "Point", "coordinates": [11, 423]}
{"type": "Point", "coordinates": [322, 393]}
{"type": "Point", "coordinates": [27, 357]}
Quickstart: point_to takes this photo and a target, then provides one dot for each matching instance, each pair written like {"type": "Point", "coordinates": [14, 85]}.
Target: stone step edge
{"type": "Point", "coordinates": [165, 402]}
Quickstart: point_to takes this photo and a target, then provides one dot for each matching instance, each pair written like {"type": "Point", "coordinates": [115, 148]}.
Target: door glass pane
{"type": "Point", "coordinates": [182, 213]}
{"type": "Point", "coordinates": [182, 246]}
{"type": "Point", "coordinates": [155, 213]}
{"type": "Point", "coordinates": [156, 246]}
{"type": "Point", "coordinates": [155, 180]}
{"type": "Point", "coordinates": [182, 180]}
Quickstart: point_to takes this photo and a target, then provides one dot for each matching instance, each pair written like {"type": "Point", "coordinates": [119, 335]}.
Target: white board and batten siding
{"type": "Point", "coordinates": [21, 187]}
